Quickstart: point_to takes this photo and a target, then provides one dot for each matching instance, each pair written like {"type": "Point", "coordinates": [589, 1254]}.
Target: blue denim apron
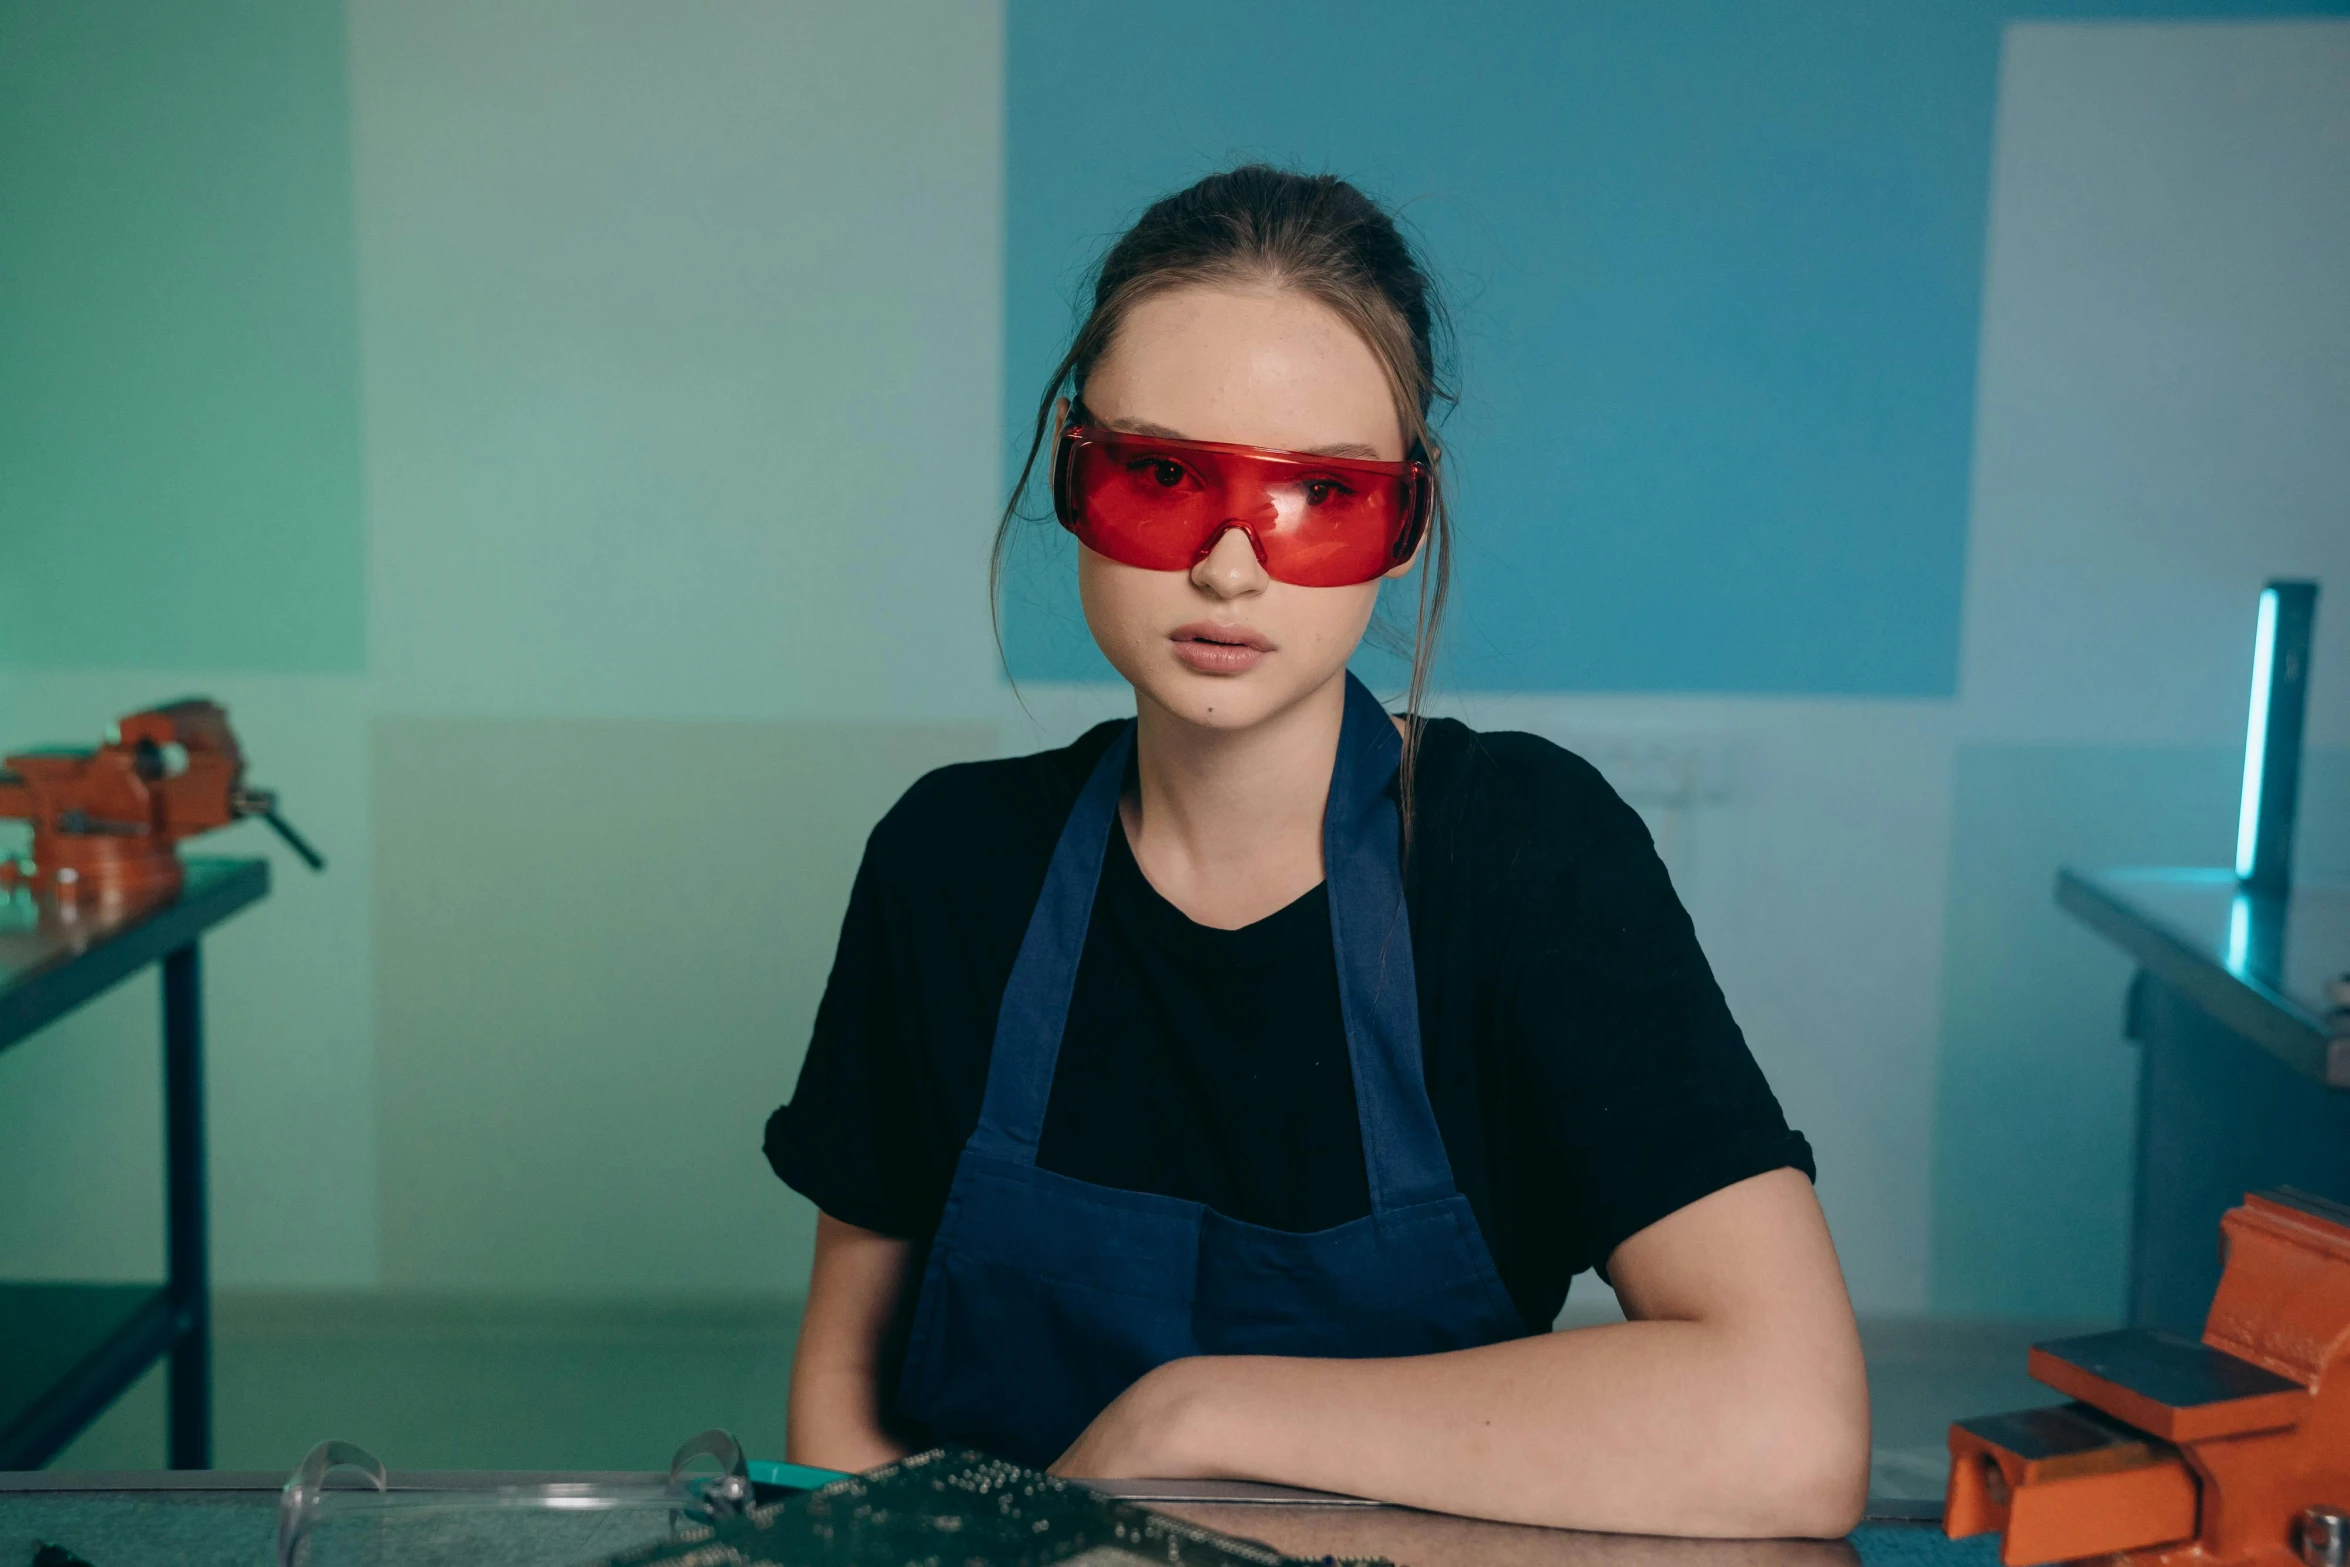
{"type": "Point", "coordinates": [1044, 1297]}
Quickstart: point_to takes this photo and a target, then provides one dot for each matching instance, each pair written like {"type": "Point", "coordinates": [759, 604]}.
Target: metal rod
{"type": "Point", "coordinates": [190, 1272]}
{"type": "Point", "coordinates": [294, 840]}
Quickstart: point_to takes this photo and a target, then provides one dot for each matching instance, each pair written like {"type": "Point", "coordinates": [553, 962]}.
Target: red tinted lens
{"type": "Point", "coordinates": [1162, 504]}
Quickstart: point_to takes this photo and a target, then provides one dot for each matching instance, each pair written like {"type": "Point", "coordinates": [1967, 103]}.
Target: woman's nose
{"type": "Point", "coordinates": [1230, 568]}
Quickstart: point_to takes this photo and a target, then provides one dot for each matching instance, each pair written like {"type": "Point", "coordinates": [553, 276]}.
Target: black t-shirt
{"type": "Point", "coordinates": [1585, 1072]}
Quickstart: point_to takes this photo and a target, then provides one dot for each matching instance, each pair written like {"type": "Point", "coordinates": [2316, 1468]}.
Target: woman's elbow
{"type": "Point", "coordinates": [1815, 1473]}
{"type": "Point", "coordinates": [1827, 1504]}
{"type": "Point", "coordinates": [1796, 1460]}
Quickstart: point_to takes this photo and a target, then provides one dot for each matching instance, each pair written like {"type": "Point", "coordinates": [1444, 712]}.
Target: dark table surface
{"type": "Point", "coordinates": [52, 958]}
{"type": "Point", "coordinates": [230, 1520]}
{"type": "Point", "coordinates": [2260, 966]}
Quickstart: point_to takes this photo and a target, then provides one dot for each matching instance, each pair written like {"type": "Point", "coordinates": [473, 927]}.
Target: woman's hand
{"type": "Point", "coordinates": [1155, 1430]}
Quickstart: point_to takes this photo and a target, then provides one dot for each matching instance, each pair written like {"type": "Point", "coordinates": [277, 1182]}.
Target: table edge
{"type": "Point", "coordinates": [2270, 1019]}
{"type": "Point", "coordinates": [42, 996]}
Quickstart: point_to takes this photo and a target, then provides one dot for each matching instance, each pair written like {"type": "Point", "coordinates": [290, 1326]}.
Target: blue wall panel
{"type": "Point", "coordinates": [1717, 269]}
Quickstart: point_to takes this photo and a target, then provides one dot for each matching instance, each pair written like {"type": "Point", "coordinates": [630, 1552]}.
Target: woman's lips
{"type": "Point", "coordinates": [1219, 650]}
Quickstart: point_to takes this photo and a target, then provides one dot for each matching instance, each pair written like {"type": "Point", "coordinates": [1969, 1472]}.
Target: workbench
{"type": "Point", "coordinates": [2244, 1067]}
{"type": "Point", "coordinates": [68, 1350]}
{"type": "Point", "coordinates": [226, 1519]}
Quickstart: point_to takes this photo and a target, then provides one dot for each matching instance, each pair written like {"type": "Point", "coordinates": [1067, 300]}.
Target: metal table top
{"type": "Point", "coordinates": [53, 959]}
{"type": "Point", "coordinates": [2261, 966]}
{"type": "Point", "coordinates": [228, 1519]}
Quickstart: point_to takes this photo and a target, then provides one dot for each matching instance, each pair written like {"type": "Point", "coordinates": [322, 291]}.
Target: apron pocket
{"type": "Point", "coordinates": [1019, 1365]}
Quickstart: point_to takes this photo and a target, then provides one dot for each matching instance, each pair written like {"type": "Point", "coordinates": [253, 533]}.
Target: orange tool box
{"type": "Point", "coordinates": [2231, 1451]}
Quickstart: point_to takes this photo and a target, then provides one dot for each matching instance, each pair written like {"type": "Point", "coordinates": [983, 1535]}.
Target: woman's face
{"type": "Point", "coordinates": [1223, 644]}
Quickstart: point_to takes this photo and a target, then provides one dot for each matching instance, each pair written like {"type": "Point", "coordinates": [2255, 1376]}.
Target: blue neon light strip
{"type": "Point", "coordinates": [2264, 645]}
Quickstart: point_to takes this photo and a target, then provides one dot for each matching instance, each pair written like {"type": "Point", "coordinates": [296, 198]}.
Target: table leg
{"type": "Point", "coordinates": [183, 1138]}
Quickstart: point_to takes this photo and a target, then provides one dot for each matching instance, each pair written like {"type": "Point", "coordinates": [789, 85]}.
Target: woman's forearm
{"type": "Point", "coordinates": [835, 1415]}
{"type": "Point", "coordinates": [835, 1422]}
{"type": "Point", "coordinates": [1735, 1404]}
{"type": "Point", "coordinates": [1643, 1427]}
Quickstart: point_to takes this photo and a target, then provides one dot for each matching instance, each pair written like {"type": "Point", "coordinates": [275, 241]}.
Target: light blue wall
{"type": "Point", "coordinates": [2035, 1100]}
{"type": "Point", "coordinates": [2160, 430]}
{"type": "Point", "coordinates": [1719, 267]}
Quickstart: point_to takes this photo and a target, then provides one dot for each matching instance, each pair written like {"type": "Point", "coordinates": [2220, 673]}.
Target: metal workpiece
{"type": "Point", "coordinates": [2323, 1536]}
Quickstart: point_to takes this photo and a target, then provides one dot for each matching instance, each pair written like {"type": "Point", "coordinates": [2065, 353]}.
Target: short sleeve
{"type": "Point", "coordinates": [851, 1140]}
{"type": "Point", "coordinates": [896, 1068]}
{"type": "Point", "coordinates": [1645, 1088]}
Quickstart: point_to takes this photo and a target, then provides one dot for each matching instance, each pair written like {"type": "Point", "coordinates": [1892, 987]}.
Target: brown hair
{"type": "Point", "coordinates": [1317, 234]}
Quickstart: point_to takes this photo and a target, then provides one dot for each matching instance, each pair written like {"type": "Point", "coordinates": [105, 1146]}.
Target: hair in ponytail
{"type": "Point", "coordinates": [1256, 226]}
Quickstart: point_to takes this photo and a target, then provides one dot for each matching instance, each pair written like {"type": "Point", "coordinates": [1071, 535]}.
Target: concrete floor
{"type": "Point", "coordinates": [450, 1383]}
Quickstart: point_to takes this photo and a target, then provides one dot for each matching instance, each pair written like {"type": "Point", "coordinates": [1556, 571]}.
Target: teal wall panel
{"type": "Point", "coordinates": [2036, 1088]}
{"type": "Point", "coordinates": [179, 427]}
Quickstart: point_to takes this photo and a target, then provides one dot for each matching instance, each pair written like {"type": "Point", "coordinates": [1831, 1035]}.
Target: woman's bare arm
{"type": "Point", "coordinates": [1735, 1404]}
{"type": "Point", "coordinates": [835, 1419]}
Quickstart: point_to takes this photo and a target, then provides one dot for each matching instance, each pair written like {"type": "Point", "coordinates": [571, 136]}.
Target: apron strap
{"type": "Point", "coordinates": [1378, 989]}
{"type": "Point", "coordinates": [1035, 1010]}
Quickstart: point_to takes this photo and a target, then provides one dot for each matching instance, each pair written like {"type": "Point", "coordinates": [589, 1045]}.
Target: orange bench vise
{"type": "Point", "coordinates": [2231, 1451]}
{"type": "Point", "coordinates": [107, 822]}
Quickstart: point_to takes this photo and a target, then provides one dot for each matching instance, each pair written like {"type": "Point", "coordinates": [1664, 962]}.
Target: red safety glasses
{"type": "Point", "coordinates": [1161, 504]}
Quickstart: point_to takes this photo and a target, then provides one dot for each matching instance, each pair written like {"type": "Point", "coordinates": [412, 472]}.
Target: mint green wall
{"type": "Point", "coordinates": [84, 1191]}
{"type": "Point", "coordinates": [666, 398]}
{"type": "Point", "coordinates": [180, 510]}
{"type": "Point", "coordinates": [598, 946]}
{"type": "Point", "coordinates": [672, 314]}
{"type": "Point", "coordinates": [681, 350]}
{"type": "Point", "coordinates": [179, 421]}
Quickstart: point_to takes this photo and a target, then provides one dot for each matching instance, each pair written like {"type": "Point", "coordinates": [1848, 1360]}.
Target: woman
{"type": "Point", "coordinates": [1234, 1092]}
